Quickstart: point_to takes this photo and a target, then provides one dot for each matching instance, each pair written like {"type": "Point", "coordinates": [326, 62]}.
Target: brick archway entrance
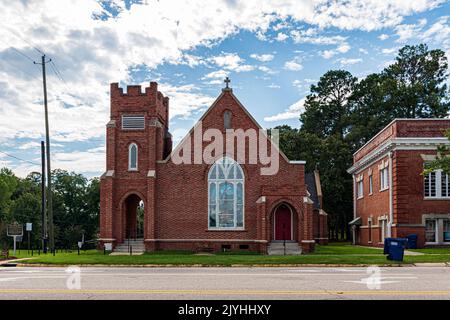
{"type": "Point", "coordinates": [133, 210]}
{"type": "Point", "coordinates": [283, 223]}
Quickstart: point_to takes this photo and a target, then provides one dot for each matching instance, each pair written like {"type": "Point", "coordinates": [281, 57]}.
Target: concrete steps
{"type": "Point", "coordinates": [277, 248]}
{"type": "Point", "coordinates": [137, 246]}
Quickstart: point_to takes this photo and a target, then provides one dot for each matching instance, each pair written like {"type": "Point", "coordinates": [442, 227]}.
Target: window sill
{"type": "Point", "coordinates": [359, 198]}
{"type": "Point", "coordinates": [227, 229]}
{"type": "Point", "coordinates": [381, 190]}
{"type": "Point", "coordinates": [436, 198]}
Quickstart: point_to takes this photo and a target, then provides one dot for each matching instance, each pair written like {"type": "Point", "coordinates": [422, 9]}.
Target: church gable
{"type": "Point", "coordinates": [226, 116]}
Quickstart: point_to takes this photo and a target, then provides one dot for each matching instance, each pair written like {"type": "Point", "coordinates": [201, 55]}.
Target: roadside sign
{"type": "Point", "coordinates": [108, 246]}
{"type": "Point", "coordinates": [15, 230]}
{"type": "Point", "coordinates": [80, 244]}
{"type": "Point", "coordinates": [29, 226]}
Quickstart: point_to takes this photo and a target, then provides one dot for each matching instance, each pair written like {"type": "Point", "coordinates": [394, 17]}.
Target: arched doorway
{"type": "Point", "coordinates": [283, 223]}
{"type": "Point", "coordinates": [134, 217]}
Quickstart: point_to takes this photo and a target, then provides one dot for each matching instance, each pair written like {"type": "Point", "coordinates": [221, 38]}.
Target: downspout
{"type": "Point", "coordinates": [354, 211]}
{"type": "Point", "coordinates": [391, 203]}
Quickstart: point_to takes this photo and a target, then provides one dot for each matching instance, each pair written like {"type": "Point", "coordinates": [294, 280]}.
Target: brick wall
{"type": "Point", "coordinates": [409, 204]}
{"type": "Point", "coordinates": [176, 196]}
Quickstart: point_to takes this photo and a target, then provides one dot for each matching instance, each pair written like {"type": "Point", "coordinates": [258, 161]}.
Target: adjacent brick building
{"type": "Point", "coordinates": [223, 205]}
{"type": "Point", "coordinates": [391, 196]}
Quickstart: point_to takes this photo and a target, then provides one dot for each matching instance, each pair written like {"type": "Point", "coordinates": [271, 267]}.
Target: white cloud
{"type": "Point", "coordinates": [312, 36]}
{"type": "Point", "coordinates": [293, 112]}
{"type": "Point", "coordinates": [281, 36]}
{"type": "Point", "coordinates": [350, 61]}
{"type": "Point", "coordinates": [362, 50]}
{"type": "Point", "coordinates": [297, 83]}
{"type": "Point", "coordinates": [327, 54]}
{"type": "Point", "coordinates": [408, 31]}
{"type": "Point", "coordinates": [389, 51]}
{"type": "Point", "coordinates": [190, 60]}
{"type": "Point", "coordinates": [439, 32]}
{"type": "Point", "coordinates": [232, 62]}
{"type": "Point", "coordinates": [262, 57]}
{"type": "Point", "coordinates": [267, 70]}
{"type": "Point", "coordinates": [228, 61]}
{"type": "Point", "coordinates": [219, 74]}
{"type": "Point", "coordinates": [343, 48]}
{"type": "Point", "coordinates": [383, 37]}
{"type": "Point", "coordinates": [293, 66]}
{"type": "Point", "coordinates": [90, 53]}
{"type": "Point", "coordinates": [185, 99]}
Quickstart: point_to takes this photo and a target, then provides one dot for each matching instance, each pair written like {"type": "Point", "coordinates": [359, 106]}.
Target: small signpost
{"type": "Point", "coordinates": [15, 230]}
{"type": "Point", "coordinates": [29, 228]}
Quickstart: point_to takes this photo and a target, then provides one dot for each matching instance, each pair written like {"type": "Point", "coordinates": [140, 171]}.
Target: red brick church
{"type": "Point", "coordinates": [152, 202]}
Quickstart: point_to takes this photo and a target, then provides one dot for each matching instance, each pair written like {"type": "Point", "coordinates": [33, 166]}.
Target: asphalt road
{"type": "Point", "coordinates": [225, 283]}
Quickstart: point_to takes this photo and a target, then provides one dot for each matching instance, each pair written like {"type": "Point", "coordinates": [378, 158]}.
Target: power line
{"type": "Point", "coordinates": [29, 42]}
{"type": "Point", "coordinates": [22, 54]}
{"type": "Point", "coordinates": [56, 71]}
{"type": "Point", "coordinates": [20, 159]}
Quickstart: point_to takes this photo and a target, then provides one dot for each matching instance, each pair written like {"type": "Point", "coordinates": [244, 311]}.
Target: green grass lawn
{"type": "Point", "coordinates": [335, 253]}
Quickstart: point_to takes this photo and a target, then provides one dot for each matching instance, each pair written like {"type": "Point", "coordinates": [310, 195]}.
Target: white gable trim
{"type": "Point", "coordinates": [208, 111]}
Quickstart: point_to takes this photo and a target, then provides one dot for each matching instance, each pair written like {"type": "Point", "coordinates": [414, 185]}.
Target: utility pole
{"type": "Point", "coordinates": [44, 220]}
{"type": "Point", "coordinates": [51, 234]}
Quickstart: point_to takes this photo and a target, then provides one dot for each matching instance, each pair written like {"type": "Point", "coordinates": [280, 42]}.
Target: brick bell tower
{"type": "Point", "coordinates": [137, 136]}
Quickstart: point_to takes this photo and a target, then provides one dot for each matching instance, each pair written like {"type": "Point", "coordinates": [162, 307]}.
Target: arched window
{"type": "Point", "coordinates": [133, 157]}
{"type": "Point", "coordinates": [226, 195]}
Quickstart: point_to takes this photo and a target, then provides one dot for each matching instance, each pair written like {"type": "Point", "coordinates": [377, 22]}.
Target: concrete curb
{"type": "Point", "coordinates": [7, 262]}
{"type": "Point", "coordinates": [432, 264]}
{"type": "Point", "coordinates": [214, 265]}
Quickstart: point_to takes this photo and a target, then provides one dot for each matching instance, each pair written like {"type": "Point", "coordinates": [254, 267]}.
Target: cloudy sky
{"type": "Point", "coordinates": [272, 51]}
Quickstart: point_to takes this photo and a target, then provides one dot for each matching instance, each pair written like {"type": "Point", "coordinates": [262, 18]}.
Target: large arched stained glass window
{"type": "Point", "coordinates": [226, 195]}
{"type": "Point", "coordinates": [132, 157]}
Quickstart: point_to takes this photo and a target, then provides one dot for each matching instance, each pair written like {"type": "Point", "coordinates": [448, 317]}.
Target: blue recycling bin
{"type": "Point", "coordinates": [396, 248]}
{"type": "Point", "coordinates": [412, 241]}
{"type": "Point", "coordinates": [387, 243]}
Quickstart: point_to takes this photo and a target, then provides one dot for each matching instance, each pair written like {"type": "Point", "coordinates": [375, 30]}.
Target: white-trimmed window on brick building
{"type": "Point", "coordinates": [446, 229]}
{"type": "Point", "coordinates": [226, 195]}
{"type": "Point", "coordinates": [430, 230]}
{"type": "Point", "coordinates": [383, 229]}
{"type": "Point", "coordinates": [360, 186]}
{"type": "Point", "coordinates": [369, 226]}
{"type": "Point", "coordinates": [436, 185]}
{"type": "Point", "coordinates": [437, 230]}
{"type": "Point", "coordinates": [384, 178]}
{"type": "Point", "coordinates": [133, 157]}
{"type": "Point", "coordinates": [370, 184]}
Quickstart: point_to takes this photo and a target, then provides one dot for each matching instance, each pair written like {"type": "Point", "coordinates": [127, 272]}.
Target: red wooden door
{"type": "Point", "coordinates": [283, 227]}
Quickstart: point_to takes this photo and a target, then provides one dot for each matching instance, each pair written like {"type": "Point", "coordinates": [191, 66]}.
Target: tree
{"type": "Point", "coordinates": [300, 145]}
{"type": "Point", "coordinates": [443, 159]}
{"type": "Point", "coordinates": [327, 107]}
{"type": "Point", "coordinates": [8, 184]}
{"type": "Point", "coordinates": [76, 207]}
{"type": "Point", "coordinates": [370, 109]}
{"type": "Point", "coordinates": [416, 83]}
